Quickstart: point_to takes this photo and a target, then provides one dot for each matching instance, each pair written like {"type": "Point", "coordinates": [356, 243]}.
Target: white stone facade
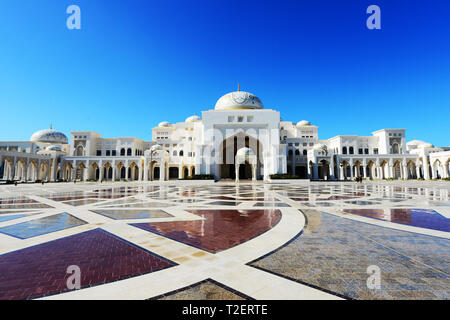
{"type": "Point", "coordinates": [237, 139]}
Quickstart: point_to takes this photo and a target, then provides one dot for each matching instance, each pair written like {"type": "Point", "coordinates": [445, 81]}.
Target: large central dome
{"type": "Point", "coordinates": [239, 100]}
{"type": "Point", "coordinates": [49, 136]}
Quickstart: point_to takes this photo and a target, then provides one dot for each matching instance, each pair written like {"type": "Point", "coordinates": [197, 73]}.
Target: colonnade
{"type": "Point", "coordinates": [26, 167]}
{"type": "Point", "coordinates": [377, 168]}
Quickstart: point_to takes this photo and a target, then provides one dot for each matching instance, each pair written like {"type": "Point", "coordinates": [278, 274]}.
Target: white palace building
{"type": "Point", "coordinates": [238, 139]}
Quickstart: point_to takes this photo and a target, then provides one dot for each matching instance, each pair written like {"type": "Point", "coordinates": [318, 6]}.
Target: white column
{"type": "Point", "coordinates": [426, 170]}
{"type": "Point", "coordinates": [162, 171]}
{"type": "Point", "coordinates": [433, 172]}
{"type": "Point", "coordinates": [100, 176]}
{"type": "Point", "coordinates": [85, 173]}
{"type": "Point", "coordinates": [365, 169]}
{"type": "Point", "coordinates": [114, 170]}
{"type": "Point", "coordinates": [405, 171]}
{"type": "Point", "coordinates": [145, 169]}
{"type": "Point", "coordinates": [53, 169]}
{"type": "Point", "coordinates": [351, 170]}
{"type": "Point", "coordinates": [25, 169]}
{"type": "Point", "coordinates": [308, 167]}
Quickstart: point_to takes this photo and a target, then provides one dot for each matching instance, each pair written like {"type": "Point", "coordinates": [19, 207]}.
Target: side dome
{"type": "Point", "coordinates": [238, 100]}
{"type": "Point", "coordinates": [245, 152]}
{"type": "Point", "coordinates": [156, 147]}
{"type": "Point", "coordinates": [419, 144]}
{"type": "Point", "coordinates": [193, 118]}
{"type": "Point", "coordinates": [320, 146]}
{"type": "Point", "coordinates": [49, 136]}
{"type": "Point", "coordinates": [415, 142]}
{"type": "Point", "coordinates": [53, 148]}
{"type": "Point", "coordinates": [303, 123]}
{"type": "Point", "coordinates": [164, 124]}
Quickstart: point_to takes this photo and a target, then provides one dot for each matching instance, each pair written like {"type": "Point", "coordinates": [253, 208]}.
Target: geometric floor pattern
{"type": "Point", "coordinates": [211, 241]}
{"type": "Point", "coordinates": [220, 229]}
{"type": "Point", "coordinates": [412, 265]}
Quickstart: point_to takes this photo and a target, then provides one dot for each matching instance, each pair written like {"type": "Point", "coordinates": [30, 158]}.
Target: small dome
{"type": "Point", "coordinates": [53, 148]}
{"type": "Point", "coordinates": [245, 152]}
{"type": "Point", "coordinates": [239, 100]}
{"type": "Point", "coordinates": [320, 146]}
{"type": "Point", "coordinates": [419, 144]}
{"type": "Point", "coordinates": [193, 118]}
{"type": "Point", "coordinates": [156, 147]}
{"type": "Point", "coordinates": [49, 136]}
{"type": "Point", "coordinates": [415, 142]}
{"type": "Point", "coordinates": [164, 124]}
{"type": "Point", "coordinates": [303, 123]}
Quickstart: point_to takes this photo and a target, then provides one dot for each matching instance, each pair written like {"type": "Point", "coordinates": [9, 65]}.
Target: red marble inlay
{"type": "Point", "coordinates": [220, 230]}
{"type": "Point", "coordinates": [41, 270]}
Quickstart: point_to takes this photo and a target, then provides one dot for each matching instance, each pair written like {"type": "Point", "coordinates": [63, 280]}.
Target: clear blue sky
{"type": "Point", "coordinates": [136, 63]}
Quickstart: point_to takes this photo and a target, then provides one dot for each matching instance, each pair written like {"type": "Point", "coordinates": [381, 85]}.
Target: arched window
{"type": "Point", "coordinates": [175, 153]}
{"type": "Point", "coordinates": [297, 152]}
{"type": "Point", "coordinates": [305, 153]}
{"type": "Point", "coordinates": [344, 150]}
{"type": "Point", "coordinates": [79, 151]}
{"type": "Point", "coordinates": [395, 148]}
{"type": "Point", "coordinates": [129, 152]}
{"type": "Point", "coordinates": [122, 152]}
{"type": "Point", "coordinates": [351, 151]}
{"type": "Point", "coordinates": [290, 153]}
{"type": "Point", "coordinates": [181, 153]}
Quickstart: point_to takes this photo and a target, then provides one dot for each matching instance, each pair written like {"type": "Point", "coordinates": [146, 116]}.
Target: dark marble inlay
{"type": "Point", "coordinates": [204, 290]}
{"type": "Point", "coordinates": [41, 270]}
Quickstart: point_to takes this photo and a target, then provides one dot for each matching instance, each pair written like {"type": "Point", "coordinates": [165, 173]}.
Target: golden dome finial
{"type": "Point", "coordinates": [239, 87]}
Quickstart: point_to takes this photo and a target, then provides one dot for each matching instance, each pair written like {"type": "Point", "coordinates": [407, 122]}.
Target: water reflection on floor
{"type": "Point", "coordinates": [422, 218]}
{"type": "Point", "coordinates": [132, 214]}
{"type": "Point", "coordinates": [42, 226]}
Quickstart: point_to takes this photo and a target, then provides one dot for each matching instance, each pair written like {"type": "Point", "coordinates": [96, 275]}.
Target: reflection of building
{"type": "Point", "coordinates": [238, 138]}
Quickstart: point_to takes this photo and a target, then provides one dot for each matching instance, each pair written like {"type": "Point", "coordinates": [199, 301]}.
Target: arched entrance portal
{"type": "Point", "coordinates": [228, 150]}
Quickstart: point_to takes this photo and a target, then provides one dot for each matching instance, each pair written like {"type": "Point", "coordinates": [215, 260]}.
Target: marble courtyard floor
{"type": "Point", "coordinates": [205, 240]}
